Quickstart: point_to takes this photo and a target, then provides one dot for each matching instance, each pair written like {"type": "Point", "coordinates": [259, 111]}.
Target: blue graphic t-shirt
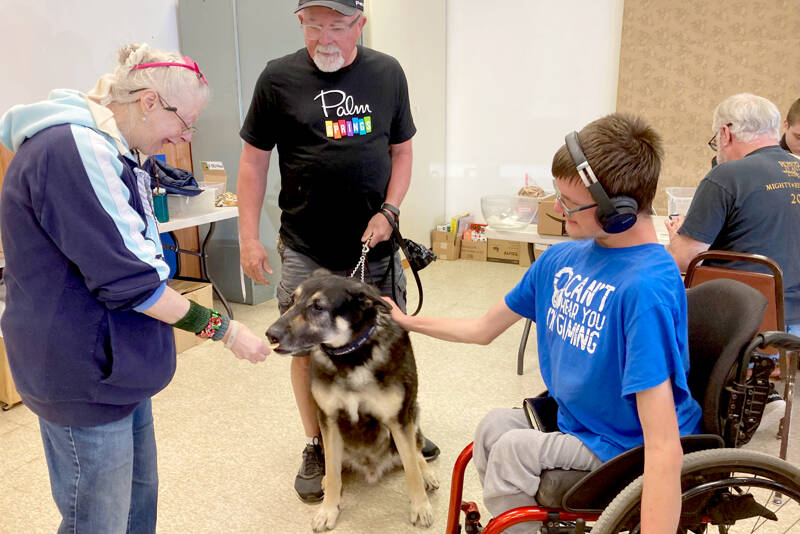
{"type": "Point", "coordinates": [610, 322]}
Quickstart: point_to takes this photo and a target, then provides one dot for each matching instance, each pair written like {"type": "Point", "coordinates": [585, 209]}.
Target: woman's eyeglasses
{"type": "Point", "coordinates": [164, 104]}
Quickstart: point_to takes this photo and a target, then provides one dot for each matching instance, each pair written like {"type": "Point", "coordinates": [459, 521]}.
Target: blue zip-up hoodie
{"type": "Point", "coordinates": [83, 259]}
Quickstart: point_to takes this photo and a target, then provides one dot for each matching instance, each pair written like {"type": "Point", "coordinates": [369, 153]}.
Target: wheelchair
{"type": "Point", "coordinates": [723, 487]}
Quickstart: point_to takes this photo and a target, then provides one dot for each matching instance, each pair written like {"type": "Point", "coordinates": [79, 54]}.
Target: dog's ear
{"type": "Point", "coordinates": [376, 300]}
{"type": "Point", "coordinates": [380, 303]}
{"type": "Point", "coordinates": [369, 297]}
{"type": "Point", "coordinates": [320, 272]}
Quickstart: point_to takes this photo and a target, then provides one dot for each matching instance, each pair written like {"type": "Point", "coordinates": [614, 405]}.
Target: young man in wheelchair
{"type": "Point", "coordinates": [610, 310]}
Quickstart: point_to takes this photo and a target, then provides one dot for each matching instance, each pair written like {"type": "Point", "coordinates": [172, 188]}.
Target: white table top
{"type": "Point", "coordinates": [179, 223]}
{"type": "Point", "coordinates": [530, 234]}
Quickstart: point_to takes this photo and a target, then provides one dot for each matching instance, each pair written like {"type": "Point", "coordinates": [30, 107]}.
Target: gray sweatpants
{"type": "Point", "coordinates": [510, 457]}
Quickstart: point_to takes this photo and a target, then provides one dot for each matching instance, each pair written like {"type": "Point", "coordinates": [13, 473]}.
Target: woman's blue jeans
{"type": "Point", "coordinates": [104, 478]}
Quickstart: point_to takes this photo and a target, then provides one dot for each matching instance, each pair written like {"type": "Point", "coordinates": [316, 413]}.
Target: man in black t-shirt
{"type": "Point", "coordinates": [340, 118]}
{"type": "Point", "coordinates": [750, 202]}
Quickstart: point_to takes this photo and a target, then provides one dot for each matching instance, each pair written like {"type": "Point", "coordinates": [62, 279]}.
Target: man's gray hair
{"type": "Point", "coordinates": [749, 115]}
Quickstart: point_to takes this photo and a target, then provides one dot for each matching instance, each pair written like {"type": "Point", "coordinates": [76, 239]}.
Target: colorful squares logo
{"type": "Point", "coordinates": [348, 128]}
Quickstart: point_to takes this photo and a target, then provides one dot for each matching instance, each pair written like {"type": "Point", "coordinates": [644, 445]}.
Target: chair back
{"type": "Point", "coordinates": [770, 285]}
{"type": "Point", "coordinates": [723, 315]}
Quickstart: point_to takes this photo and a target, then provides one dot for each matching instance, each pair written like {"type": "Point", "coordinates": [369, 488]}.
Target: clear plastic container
{"type": "Point", "coordinates": [508, 212]}
{"type": "Point", "coordinates": [184, 206]}
{"type": "Point", "coordinates": [679, 199]}
{"type": "Point", "coordinates": [217, 187]}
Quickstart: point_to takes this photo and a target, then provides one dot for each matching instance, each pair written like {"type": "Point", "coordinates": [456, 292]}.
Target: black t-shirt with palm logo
{"type": "Point", "coordinates": [333, 132]}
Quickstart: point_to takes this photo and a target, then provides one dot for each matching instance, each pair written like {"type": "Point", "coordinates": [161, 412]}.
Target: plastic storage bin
{"type": "Point", "coordinates": [679, 199]}
{"type": "Point", "coordinates": [503, 212]}
{"type": "Point", "coordinates": [184, 206]}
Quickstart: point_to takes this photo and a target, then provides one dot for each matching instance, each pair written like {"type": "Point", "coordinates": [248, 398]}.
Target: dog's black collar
{"type": "Point", "coordinates": [347, 349]}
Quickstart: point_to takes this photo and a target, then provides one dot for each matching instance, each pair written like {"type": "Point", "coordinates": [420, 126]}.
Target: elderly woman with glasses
{"type": "Point", "coordinates": [89, 320]}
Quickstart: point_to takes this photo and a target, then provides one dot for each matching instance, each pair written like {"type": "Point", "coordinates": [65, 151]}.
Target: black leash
{"type": "Point", "coordinates": [402, 244]}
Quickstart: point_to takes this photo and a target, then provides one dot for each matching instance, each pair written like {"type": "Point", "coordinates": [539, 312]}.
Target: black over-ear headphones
{"type": "Point", "coordinates": [615, 214]}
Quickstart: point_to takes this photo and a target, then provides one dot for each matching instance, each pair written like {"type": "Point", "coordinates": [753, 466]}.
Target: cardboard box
{"type": "Point", "coordinates": [526, 257]}
{"type": "Point", "coordinates": [474, 250]}
{"type": "Point", "coordinates": [214, 172]}
{"type": "Point", "coordinates": [446, 245]}
{"type": "Point", "coordinates": [503, 251]}
{"type": "Point", "coordinates": [8, 392]}
{"type": "Point", "coordinates": [200, 292]}
{"type": "Point", "coordinates": [550, 222]}
{"type": "Point", "coordinates": [537, 250]}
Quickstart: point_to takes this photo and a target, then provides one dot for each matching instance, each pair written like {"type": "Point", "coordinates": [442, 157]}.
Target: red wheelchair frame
{"type": "Point", "coordinates": [504, 520]}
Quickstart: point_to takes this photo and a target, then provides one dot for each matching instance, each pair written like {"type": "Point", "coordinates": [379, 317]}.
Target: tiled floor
{"type": "Point", "coordinates": [230, 439]}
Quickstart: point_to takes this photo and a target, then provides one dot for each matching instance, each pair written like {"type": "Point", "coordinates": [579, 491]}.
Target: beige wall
{"type": "Point", "coordinates": [678, 60]}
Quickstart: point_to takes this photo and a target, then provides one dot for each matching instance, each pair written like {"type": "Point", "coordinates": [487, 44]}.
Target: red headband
{"type": "Point", "coordinates": [188, 64]}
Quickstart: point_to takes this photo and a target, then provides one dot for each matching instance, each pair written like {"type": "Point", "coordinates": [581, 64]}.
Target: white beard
{"type": "Point", "coordinates": [327, 63]}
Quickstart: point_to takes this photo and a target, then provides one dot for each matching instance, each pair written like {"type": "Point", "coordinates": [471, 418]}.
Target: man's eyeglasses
{"type": "Point", "coordinates": [712, 143]}
{"type": "Point", "coordinates": [186, 128]}
{"type": "Point", "coordinates": [568, 211]}
{"type": "Point", "coordinates": [337, 31]}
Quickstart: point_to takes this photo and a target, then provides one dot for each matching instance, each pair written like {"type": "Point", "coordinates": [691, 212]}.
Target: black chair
{"type": "Point", "coordinates": [770, 284]}
{"type": "Point", "coordinates": [724, 318]}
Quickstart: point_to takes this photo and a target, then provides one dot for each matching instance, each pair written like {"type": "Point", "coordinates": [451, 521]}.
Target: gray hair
{"type": "Point", "coordinates": [168, 81]}
{"type": "Point", "coordinates": [751, 116]}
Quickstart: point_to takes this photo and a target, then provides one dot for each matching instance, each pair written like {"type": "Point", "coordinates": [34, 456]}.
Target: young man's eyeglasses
{"type": "Point", "coordinates": [712, 143]}
{"type": "Point", "coordinates": [186, 128]}
{"type": "Point", "coordinates": [568, 211]}
{"type": "Point", "coordinates": [337, 31]}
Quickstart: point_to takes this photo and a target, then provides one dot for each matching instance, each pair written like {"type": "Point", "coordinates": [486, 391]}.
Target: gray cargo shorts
{"type": "Point", "coordinates": [297, 267]}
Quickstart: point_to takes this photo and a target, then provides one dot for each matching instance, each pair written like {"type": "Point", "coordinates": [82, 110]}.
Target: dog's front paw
{"type": "Point", "coordinates": [431, 480]}
{"type": "Point", "coordinates": [422, 514]}
{"type": "Point", "coordinates": [325, 518]}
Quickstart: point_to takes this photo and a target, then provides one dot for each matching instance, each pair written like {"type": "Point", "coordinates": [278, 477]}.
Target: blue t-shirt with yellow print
{"type": "Point", "coordinates": [610, 322]}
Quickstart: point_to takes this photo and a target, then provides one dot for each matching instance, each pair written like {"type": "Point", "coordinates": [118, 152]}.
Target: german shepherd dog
{"type": "Point", "coordinates": [364, 380]}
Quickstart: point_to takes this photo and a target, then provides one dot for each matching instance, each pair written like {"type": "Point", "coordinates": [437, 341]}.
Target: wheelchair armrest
{"type": "Point", "coordinates": [779, 340]}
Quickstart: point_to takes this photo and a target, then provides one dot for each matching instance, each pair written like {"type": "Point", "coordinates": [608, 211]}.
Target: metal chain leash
{"type": "Point", "coordinates": [362, 262]}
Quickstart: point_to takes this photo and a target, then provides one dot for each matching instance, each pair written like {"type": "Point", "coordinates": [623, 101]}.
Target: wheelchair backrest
{"type": "Point", "coordinates": [724, 316]}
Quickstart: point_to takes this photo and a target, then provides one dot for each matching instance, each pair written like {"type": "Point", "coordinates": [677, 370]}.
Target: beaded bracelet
{"type": "Point", "coordinates": [215, 328]}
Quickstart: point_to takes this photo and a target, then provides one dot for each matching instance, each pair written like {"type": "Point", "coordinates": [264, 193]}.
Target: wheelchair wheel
{"type": "Point", "coordinates": [730, 490]}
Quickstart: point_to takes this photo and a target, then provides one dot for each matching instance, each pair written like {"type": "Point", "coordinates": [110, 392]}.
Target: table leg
{"type": "Point", "coordinates": [203, 265]}
{"type": "Point", "coordinates": [204, 270]}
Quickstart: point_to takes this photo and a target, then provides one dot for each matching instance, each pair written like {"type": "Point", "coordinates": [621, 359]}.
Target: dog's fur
{"type": "Point", "coordinates": [367, 397]}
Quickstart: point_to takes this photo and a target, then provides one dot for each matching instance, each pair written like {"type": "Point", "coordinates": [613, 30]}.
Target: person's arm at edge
{"type": "Point", "coordinates": [171, 306]}
{"type": "Point", "coordinates": [399, 182]}
{"type": "Point", "coordinates": [250, 189]}
{"type": "Point", "coordinates": [481, 331]}
{"type": "Point", "coordinates": [663, 457]}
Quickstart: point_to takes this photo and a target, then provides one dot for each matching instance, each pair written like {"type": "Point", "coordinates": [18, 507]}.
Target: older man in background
{"type": "Point", "coordinates": [750, 202]}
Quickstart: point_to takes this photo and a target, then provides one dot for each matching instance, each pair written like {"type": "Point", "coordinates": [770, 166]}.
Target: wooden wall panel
{"type": "Point", "coordinates": [678, 60]}
{"type": "Point", "coordinates": [180, 157]}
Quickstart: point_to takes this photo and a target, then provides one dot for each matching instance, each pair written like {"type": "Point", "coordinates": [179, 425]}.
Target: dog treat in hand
{"type": "Point", "coordinates": [273, 346]}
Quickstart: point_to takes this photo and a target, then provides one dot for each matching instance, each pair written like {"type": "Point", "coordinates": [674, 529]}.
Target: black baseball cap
{"type": "Point", "coordinates": [345, 7]}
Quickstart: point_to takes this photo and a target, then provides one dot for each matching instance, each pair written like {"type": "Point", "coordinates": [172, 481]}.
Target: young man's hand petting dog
{"type": "Point", "coordinates": [364, 380]}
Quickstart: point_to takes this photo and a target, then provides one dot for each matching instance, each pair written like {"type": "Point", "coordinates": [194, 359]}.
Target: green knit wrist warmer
{"type": "Point", "coordinates": [195, 319]}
